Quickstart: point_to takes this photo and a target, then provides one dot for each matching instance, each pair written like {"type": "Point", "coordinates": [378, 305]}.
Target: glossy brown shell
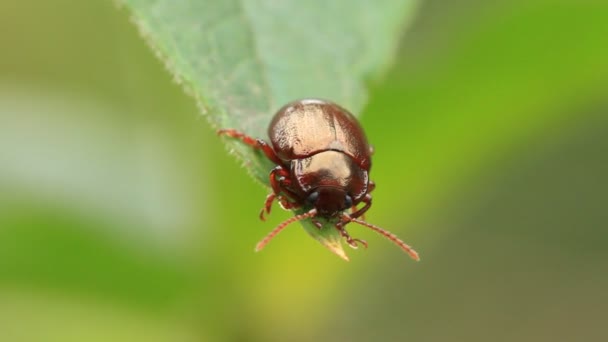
{"type": "Point", "coordinates": [303, 128]}
{"type": "Point", "coordinates": [330, 169]}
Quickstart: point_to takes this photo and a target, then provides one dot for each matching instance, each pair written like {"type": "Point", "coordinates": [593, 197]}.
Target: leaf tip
{"type": "Point", "coordinates": [328, 237]}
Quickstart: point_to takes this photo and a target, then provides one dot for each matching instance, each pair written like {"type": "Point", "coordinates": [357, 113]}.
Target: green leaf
{"type": "Point", "coordinates": [242, 60]}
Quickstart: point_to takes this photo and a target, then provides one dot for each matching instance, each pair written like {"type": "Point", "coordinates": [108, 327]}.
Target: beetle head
{"type": "Point", "coordinates": [329, 201]}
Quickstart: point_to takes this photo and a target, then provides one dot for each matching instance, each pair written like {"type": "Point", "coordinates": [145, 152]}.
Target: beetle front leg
{"type": "Point", "coordinates": [277, 172]}
{"type": "Point", "coordinates": [354, 212]}
{"type": "Point", "coordinates": [267, 205]}
{"type": "Point", "coordinates": [288, 205]}
{"type": "Point", "coordinates": [278, 178]}
{"type": "Point", "coordinates": [371, 186]}
{"type": "Point", "coordinates": [354, 243]}
{"type": "Point", "coordinates": [367, 199]}
{"type": "Point", "coordinates": [257, 144]}
{"type": "Point", "coordinates": [274, 178]}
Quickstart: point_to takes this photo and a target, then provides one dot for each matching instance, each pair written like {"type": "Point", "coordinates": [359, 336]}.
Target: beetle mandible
{"type": "Point", "coordinates": [322, 166]}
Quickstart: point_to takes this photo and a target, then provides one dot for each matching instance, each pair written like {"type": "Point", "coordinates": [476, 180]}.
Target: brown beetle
{"type": "Point", "coordinates": [322, 165]}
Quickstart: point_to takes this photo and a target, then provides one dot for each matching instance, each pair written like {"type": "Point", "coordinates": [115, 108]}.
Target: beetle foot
{"type": "Point", "coordinates": [265, 211]}
{"type": "Point", "coordinates": [284, 203]}
{"type": "Point", "coordinates": [354, 243]}
{"type": "Point", "coordinates": [262, 214]}
{"type": "Point", "coordinates": [267, 205]}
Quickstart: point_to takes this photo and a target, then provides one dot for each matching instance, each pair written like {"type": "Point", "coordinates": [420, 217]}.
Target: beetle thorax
{"type": "Point", "coordinates": [328, 168]}
{"type": "Point", "coordinates": [330, 181]}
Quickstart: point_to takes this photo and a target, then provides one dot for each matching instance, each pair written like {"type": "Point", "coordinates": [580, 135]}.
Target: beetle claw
{"type": "Point", "coordinates": [267, 206]}
{"type": "Point", "coordinates": [262, 216]}
{"type": "Point", "coordinates": [363, 242]}
{"type": "Point", "coordinates": [354, 243]}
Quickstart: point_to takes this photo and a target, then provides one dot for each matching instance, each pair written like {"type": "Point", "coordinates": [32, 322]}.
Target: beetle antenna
{"type": "Point", "coordinates": [406, 248]}
{"type": "Point", "coordinates": [280, 227]}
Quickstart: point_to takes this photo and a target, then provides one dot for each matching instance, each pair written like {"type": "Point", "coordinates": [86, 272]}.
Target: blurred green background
{"type": "Point", "coordinates": [123, 218]}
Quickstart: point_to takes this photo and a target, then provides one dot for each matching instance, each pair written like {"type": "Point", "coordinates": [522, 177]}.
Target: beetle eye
{"type": "Point", "coordinates": [348, 201]}
{"type": "Point", "coordinates": [313, 197]}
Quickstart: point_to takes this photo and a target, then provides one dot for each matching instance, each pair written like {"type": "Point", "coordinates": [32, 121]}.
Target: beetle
{"type": "Point", "coordinates": [322, 160]}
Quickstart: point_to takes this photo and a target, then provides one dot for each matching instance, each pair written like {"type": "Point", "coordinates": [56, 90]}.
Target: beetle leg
{"type": "Point", "coordinates": [278, 180]}
{"type": "Point", "coordinates": [354, 243]}
{"type": "Point", "coordinates": [371, 186]}
{"type": "Point", "coordinates": [281, 185]}
{"type": "Point", "coordinates": [276, 176]}
{"type": "Point", "coordinates": [286, 204]}
{"type": "Point", "coordinates": [267, 205]}
{"type": "Point", "coordinates": [289, 198]}
{"type": "Point", "coordinates": [353, 210]}
{"type": "Point", "coordinates": [257, 144]}
{"type": "Point", "coordinates": [275, 184]}
{"type": "Point", "coordinates": [285, 183]}
{"type": "Point", "coordinates": [367, 199]}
